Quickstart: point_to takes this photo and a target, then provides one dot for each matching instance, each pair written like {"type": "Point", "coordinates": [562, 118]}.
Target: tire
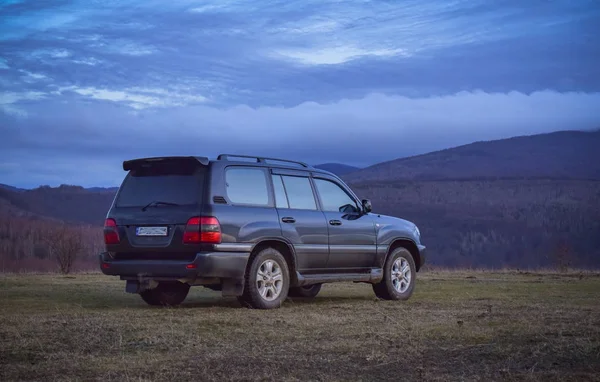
{"type": "Point", "coordinates": [166, 294]}
{"type": "Point", "coordinates": [306, 291]}
{"type": "Point", "coordinates": [270, 290]}
{"type": "Point", "coordinates": [394, 285]}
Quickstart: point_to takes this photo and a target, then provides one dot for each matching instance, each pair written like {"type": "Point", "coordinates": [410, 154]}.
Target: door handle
{"type": "Point", "coordinates": [288, 220]}
{"type": "Point", "coordinates": [335, 222]}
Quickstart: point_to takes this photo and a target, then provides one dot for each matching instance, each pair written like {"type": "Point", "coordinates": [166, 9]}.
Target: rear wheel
{"type": "Point", "coordinates": [166, 294]}
{"type": "Point", "coordinates": [309, 291]}
{"type": "Point", "coordinates": [399, 274]}
{"type": "Point", "coordinates": [267, 281]}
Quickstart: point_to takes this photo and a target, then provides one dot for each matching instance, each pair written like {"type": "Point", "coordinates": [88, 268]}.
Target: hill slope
{"type": "Point", "coordinates": [72, 204]}
{"type": "Point", "coordinates": [10, 188]}
{"type": "Point", "coordinates": [559, 155]}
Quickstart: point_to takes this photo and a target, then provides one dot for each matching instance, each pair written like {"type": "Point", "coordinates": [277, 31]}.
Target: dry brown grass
{"type": "Point", "coordinates": [457, 326]}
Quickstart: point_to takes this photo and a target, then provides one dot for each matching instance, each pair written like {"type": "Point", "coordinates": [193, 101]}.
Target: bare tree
{"type": "Point", "coordinates": [65, 244]}
{"type": "Point", "coordinates": [562, 256]}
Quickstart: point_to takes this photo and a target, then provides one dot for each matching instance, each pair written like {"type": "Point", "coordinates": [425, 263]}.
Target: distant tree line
{"type": "Point", "coordinates": [502, 223]}
{"type": "Point", "coordinates": [505, 223]}
{"type": "Point", "coordinates": [33, 244]}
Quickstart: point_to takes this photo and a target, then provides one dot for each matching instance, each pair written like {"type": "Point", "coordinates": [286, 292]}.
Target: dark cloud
{"type": "Point", "coordinates": [88, 143]}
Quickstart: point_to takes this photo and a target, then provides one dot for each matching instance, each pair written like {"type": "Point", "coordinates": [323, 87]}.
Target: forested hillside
{"type": "Point", "coordinates": [502, 223]}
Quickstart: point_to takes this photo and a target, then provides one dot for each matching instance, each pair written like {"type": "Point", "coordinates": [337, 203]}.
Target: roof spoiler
{"type": "Point", "coordinates": [136, 163]}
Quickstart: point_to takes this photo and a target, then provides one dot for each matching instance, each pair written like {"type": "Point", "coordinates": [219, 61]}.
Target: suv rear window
{"type": "Point", "coordinates": [171, 183]}
{"type": "Point", "coordinates": [247, 186]}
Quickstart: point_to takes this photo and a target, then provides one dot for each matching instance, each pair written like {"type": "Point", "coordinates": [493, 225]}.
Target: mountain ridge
{"type": "Point", "coordinates": [557, 155]}
{"type": "Point", "coordinates": [338, 169]}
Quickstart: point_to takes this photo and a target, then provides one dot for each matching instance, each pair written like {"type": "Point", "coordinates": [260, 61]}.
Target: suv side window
{"type": "Point", "coordinates": [247, 185]}
{"type": "Point", "coordinates": [299, 193]}
{"type": "Point", "coordinates": [334, 198]}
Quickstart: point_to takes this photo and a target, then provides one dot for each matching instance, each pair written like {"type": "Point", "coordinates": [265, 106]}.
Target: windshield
{"type": "Point", "coordinates": [164, 183]}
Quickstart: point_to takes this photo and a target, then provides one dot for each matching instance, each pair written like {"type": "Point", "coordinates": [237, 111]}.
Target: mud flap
{"type": "Point", "coordinates": [135, 286]}
{"type": "Point", "coordinates": [132, 286]}
{"type": "Point", "coordinates": [233, 287]}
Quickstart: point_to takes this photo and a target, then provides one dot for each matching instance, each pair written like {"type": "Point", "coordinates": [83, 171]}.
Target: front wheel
{"type": "Point", "coordinates": [166, 294]}
{"type": "Point", "coordinates": [267, 281]}
{"type": "Point", "coordinates": [399, 276]}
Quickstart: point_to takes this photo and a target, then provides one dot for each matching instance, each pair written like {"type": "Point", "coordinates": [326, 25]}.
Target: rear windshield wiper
{"type": "Point", "coordinates": [158, 203]}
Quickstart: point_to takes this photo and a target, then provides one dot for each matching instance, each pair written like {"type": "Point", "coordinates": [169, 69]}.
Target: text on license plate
{"type": "Point", "coordinates": [151, 231]}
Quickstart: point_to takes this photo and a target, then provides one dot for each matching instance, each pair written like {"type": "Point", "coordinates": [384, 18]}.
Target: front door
{"type": "Point", "coordinates": [352, 236]}
{"type": "Point", "coordinates": [301, 222]}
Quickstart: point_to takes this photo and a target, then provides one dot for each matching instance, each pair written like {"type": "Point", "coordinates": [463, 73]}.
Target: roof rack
{"type": "Point", "coordinates": [261, 159]}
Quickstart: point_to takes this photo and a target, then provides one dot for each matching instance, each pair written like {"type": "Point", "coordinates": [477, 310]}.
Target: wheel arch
{"type": "Point", "coordinates": [286, 250]}
{"type": "Point", "coordinates": [410, 245]}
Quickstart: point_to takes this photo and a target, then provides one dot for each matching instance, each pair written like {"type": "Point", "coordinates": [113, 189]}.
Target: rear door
{"type": "Point", "coordinates": [301, 221]}
{"type": "Point", "coordinates": [352, 236]}
{"type": "Point", "coordinates": [153, 206]}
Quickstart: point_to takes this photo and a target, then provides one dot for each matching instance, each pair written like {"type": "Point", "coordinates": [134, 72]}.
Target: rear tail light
{"type": "Point", "coordinates": [205, 229]}
{"type": "Point", "coordinates": [111, 234]}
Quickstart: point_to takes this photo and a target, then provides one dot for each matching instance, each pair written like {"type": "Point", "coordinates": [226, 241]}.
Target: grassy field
{"type": "Point", "coordinates": [457, 326]}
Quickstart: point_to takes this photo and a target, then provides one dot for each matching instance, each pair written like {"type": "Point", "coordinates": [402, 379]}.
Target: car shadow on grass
{"type": "Point", "coordinates": [206, 303]}
{"type": "Point", "coordinates": [233, 303]}
{"type": "Point", "coordinates": [329, 300]}
{"type": "Point", "coordinates": [200, 299]}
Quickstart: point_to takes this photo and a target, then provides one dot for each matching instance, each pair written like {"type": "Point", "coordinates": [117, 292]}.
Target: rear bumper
{"type": "Point", "coordinates": [206, 264]}
{"type": "Point", "coordinates": [422, 255]}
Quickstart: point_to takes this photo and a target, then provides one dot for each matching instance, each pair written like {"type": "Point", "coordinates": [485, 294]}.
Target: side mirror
{"type": "Point", "coordinates": [366, 205]}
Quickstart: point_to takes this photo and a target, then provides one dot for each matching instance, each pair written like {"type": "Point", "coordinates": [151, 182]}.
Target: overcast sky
{"type": "Point", "coordinates": [86, 84]}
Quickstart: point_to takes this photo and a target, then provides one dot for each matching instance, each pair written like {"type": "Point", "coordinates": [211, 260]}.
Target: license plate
{"type": "Point", "coordinates": [151, 231]}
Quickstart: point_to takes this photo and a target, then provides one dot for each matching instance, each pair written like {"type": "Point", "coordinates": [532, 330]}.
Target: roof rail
{"type": "Point", "coordinates": [261, 159]}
